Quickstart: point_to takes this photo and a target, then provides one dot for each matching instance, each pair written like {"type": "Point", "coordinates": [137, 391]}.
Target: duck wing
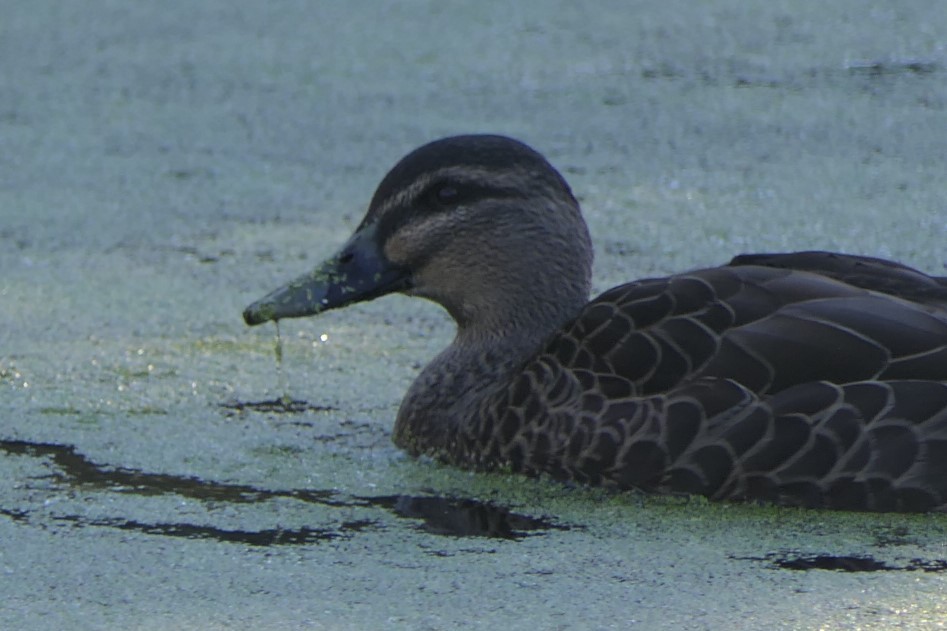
{"type": "Point", "coordinates": [866, 272]}
{"type": "Point", "coordinates": [766, 328]}
{"type": "Point", "coordinates": [745, 381]}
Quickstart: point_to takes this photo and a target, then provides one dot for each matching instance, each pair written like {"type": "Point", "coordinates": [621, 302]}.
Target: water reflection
{"type": "Point", "coordinates": [456, 517]}
{"type": "Point", "coordinates": [463, 517]}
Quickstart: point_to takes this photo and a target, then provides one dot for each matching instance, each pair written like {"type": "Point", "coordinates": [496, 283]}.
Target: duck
{"type": "Point", "coordinates": [810, 379]}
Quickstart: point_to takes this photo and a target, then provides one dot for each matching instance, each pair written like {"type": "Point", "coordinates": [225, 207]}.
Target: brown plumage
{"type": "Point", "coordinates": [811, 378]}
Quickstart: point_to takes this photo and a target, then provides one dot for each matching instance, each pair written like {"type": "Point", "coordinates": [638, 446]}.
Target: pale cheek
{"type": "Point", "coordinates": [411, 243]}
{"type": "Point", "coordinates": [398, 250]}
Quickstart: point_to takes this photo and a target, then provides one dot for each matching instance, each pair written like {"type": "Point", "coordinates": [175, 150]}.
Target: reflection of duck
{"type": "Point", "coordinates": [811, 379]}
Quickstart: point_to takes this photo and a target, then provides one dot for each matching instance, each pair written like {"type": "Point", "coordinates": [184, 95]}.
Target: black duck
{"type": "Point", "coordinates": [811, 379]}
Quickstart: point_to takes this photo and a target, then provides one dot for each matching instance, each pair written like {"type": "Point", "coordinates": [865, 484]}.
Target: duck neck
{"type": "Point", "coordinates": [446, 403]}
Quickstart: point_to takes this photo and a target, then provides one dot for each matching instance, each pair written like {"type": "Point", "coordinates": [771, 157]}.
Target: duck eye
{"type": "Point", "coordinates": [447, 194]}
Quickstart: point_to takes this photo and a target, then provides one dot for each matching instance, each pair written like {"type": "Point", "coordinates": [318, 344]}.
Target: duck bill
{"type": "Point", "coordinates": [358, 272]}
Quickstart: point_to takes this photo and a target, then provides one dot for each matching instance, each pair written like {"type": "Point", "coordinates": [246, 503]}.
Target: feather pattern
{"type": "Point", "coordinates": [738, 382]}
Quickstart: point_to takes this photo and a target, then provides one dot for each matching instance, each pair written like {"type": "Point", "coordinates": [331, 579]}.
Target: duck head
{"type": "Point", "coordinates": [481, 224]}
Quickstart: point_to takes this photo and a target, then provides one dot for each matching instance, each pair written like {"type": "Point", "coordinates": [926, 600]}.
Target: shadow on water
{"type": "Point", "coordinates": [438, 515]}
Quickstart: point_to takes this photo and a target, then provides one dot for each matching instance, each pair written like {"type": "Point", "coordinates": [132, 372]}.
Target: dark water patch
{"type": "Point", "coordinates": [869, 72]}
{"type": "Point", "coordinates": [449, 516]}
{"type": "Point", "coordinates": [457, 517]}
{"type": "Point", "coordinates": [286, 408]}
{"type": "Point", "coordinates": [277, 406]}
{"type": "Point", "coordinates": [15, 515]}
{"type": "Point", "coordinates": [186, 173]}
{"type": "Point", "coordinates": [895, 537]}
{"type": "Point", "coordinates": [880, 68]}
{"type": "Point", "coordinates": [264, 538]}
{"type": "Point", "coordinates": [844, 563]}
{"type": "Point", "coordinates": [77, 471]}
{"type": "Point", "coordinates": [664, 71]}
